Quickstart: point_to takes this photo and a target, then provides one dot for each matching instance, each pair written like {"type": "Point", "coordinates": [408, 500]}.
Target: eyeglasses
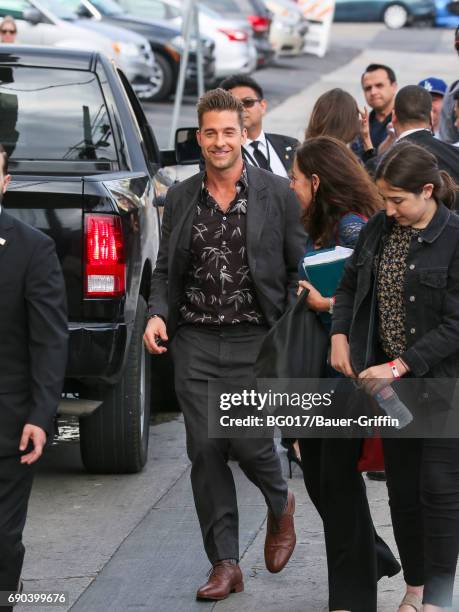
{"type": "Point", "coordinates": [249, 102]}
{"type": "Point", "coordinates": [8, 31]}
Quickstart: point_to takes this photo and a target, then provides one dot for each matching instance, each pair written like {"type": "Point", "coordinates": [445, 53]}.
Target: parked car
{"type": "Point", "coordinates": [51, 22]}
{"type": "Point", "coordinates": [86, 170]}
{"type": "Point", "coordinates": [258, 17]}
{"type": "Point", "coordinates": [394, 13]}
{"type": "Point", "coordinates": [165, 39]}
{"type": "Point", "coordinates": [235, 50]}
{"type": "Point", "coordinates": [288, 27]}
{"type": "Point", "coordinates": [447, 13]}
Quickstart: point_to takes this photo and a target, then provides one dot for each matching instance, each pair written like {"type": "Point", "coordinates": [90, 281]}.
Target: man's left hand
{"type": "Point", "coordinates": [38, 437]}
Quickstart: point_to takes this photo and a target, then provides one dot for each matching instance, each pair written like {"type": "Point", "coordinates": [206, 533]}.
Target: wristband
{"type": "Point", "coordinates": [395, 372]}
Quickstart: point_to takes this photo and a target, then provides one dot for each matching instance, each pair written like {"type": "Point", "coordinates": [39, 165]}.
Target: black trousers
{"type": "Point", "coordinates": [15, 486]}
{"type": "Point", "coordinates": [356, 556]}
{"type": "Point", "coordinates": [423, 485]}
{"type": "Point", "coordinates": [200, 355]}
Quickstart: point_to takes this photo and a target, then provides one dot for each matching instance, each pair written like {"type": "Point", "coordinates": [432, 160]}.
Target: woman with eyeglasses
{"type": "Point", "coordinates": [8, 30]}
{"type": "Point", "coordinates": [404, 274]}
{"type": "Point", "coordinates": [337, 197]}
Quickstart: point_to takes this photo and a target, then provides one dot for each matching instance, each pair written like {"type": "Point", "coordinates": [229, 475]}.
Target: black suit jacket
{"type": "Point", "coordinates": [275, 244]}
{"type": "Point", "coordinates": [447, 155]}
{"type": "Point", "coordinates": [33, 331]}
{"type": "Point", "coordinates": [285, 147]}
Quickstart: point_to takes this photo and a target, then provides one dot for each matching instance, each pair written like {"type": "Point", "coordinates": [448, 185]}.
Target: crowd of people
{"type": "Point", "coordinates": [383, 183]}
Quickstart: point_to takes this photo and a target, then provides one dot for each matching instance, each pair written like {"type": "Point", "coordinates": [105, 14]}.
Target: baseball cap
{"type": "Point", "coordinates": [434, 86]}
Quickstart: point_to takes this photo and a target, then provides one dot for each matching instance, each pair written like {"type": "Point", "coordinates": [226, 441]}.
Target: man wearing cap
{"type": "Point", "coordinates": [437, 89]}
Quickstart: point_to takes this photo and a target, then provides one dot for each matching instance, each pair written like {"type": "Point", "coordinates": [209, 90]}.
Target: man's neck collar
{"type": "Point", "coordinates": [259, 136]}
{"type": "Point", "coordinates": [225, 179]}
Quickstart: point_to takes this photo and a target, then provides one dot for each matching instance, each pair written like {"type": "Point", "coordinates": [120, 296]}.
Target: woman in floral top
{"type": "Point", "coordinates": [405, 269]}
{"type": "Point", "coordinates": [337, 196]}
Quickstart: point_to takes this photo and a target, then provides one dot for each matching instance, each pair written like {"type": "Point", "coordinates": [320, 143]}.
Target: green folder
{"type": "Point", "coordinates": [324, 268]}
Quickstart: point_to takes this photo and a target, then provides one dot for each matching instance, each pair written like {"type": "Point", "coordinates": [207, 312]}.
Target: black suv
{"type": "Point", "coordinates": [86, 170]}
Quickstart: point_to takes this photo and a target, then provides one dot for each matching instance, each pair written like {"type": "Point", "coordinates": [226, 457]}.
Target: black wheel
{"type": "Point", "coordinates": [114, 440]}
{"type": "Point", "coordinates": [163, 79]}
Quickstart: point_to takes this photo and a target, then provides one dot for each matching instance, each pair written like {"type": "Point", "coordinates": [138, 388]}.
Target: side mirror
{"type": "Point", "coordinates": [187, 150]}
{"type": "Point", "coordinates": [32, 15]}
{"type": "Point", "coordinates": [83, 12]}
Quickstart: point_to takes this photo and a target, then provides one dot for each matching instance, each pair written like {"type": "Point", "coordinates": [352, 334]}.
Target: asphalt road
{"type": "Point", "coordinates": [289, 76]}
{"type": "Point", "coordinates": [131, 543]}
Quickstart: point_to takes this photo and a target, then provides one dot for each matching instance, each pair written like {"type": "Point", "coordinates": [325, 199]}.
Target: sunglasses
{"type": "Point", "coordinates": [249, 102]}
{"type": "Point", "coordinates": [8, 31]}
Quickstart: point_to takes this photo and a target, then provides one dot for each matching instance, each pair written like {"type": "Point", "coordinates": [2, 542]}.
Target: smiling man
{"type": "Point", "coordinates": [226, 270]}
{"type": "Point", "coordinates": [274, 152]}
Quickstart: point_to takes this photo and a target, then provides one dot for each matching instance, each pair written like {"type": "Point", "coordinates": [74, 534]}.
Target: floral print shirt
{"type": "Point", "coordinates": [391, 279]}
{"type": "Point", "coordinates": [219, 287]}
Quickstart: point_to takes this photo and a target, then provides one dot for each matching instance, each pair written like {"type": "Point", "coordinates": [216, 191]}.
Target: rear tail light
{"type": "Point", "coordinates": [234, 35]}
{"type": "Point", "coordinates": [259, 23]}
{"type": "Point", "coordinates": [105, 266]}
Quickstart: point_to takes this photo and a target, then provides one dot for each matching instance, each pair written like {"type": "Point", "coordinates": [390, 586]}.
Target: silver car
{"type": "Point", "coordinates": [288, 27]}
{"type": "Point", "coordinates": [235, 51]}
{"type": "Point", "coordinates": [53, 23]}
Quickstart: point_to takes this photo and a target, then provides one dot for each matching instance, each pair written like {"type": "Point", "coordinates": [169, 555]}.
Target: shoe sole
{"type": "Point", "coordinates": [238, 588]}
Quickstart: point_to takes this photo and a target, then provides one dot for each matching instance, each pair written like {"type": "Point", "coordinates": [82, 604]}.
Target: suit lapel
{"type": "Point", "coordinates": [179, 242]}
{"type": "Point", "coordinates": [257, 211]}
{"type": "Point", "coordinates": [6, 231]}
{"type": "Point", "coordinates": [284, 150]}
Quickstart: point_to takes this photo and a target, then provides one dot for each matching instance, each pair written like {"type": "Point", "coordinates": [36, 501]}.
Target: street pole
{"type": "Point", "coordinates": [186, 35]}
{"type": "Point", "coordinates": [199, 54]}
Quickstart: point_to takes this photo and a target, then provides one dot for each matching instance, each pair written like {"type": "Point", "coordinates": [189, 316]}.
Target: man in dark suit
{"type": "Point", "coordinates": [412, 120]}
{"type": "Point", "coordinates": [273, 152]}
{"type": "Point", "coordinates": [33, 353]}
{"type": "Point", "coordinates": [226, 270]}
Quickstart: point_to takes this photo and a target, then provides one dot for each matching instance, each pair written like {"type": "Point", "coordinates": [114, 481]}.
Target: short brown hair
{"type": "Point", "coordinates": [219, 100]}
{"type": "Point", "coordinates": [4, 157]}
{"type": "Point", "coordinates": [413, 104]}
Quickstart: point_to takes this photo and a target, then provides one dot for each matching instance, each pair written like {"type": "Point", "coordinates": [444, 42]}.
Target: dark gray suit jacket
{"type": "Point", "coordinates": [275, 244]}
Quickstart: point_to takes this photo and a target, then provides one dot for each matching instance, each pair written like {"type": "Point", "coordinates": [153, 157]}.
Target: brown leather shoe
{"type": "Point", "coordinates": [224, 578]}
{"type": "Point", "coordinates": [280, 537]}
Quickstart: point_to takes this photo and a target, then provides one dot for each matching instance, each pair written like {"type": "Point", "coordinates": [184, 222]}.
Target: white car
{"type": "Point", "coordinates": [288, 27]}
{"type": "Point", "coordinates": [52, 23]}
{"type": "Point", "coordinates": [235, 50]}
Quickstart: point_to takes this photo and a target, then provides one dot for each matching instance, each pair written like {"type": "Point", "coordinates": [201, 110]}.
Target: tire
{"type": "Point", "coordinates": [163, 80]}
{"type": "Point", "coordinates": [395, 16]}
{"type": "Point", "coordinates": [114, 440]}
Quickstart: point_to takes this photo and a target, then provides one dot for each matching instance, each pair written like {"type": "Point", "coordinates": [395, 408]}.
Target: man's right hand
{"type": "Point", "coordinates": [156, 328]}
{"type": "Point", "coordinates": [340, 359]}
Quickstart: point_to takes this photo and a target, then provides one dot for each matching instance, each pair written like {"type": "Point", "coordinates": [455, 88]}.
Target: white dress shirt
{"type": "Point", "coordinates": [275, 163]}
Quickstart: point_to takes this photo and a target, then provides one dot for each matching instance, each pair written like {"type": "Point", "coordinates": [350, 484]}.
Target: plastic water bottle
{"type": "Point", "coordinates": [390, 402]}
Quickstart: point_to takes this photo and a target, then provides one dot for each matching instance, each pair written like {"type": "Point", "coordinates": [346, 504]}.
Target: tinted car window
{"type": "Point", "coordinates": [15, 8]}
{"type": "Point", "coordinates": [54, 114]}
